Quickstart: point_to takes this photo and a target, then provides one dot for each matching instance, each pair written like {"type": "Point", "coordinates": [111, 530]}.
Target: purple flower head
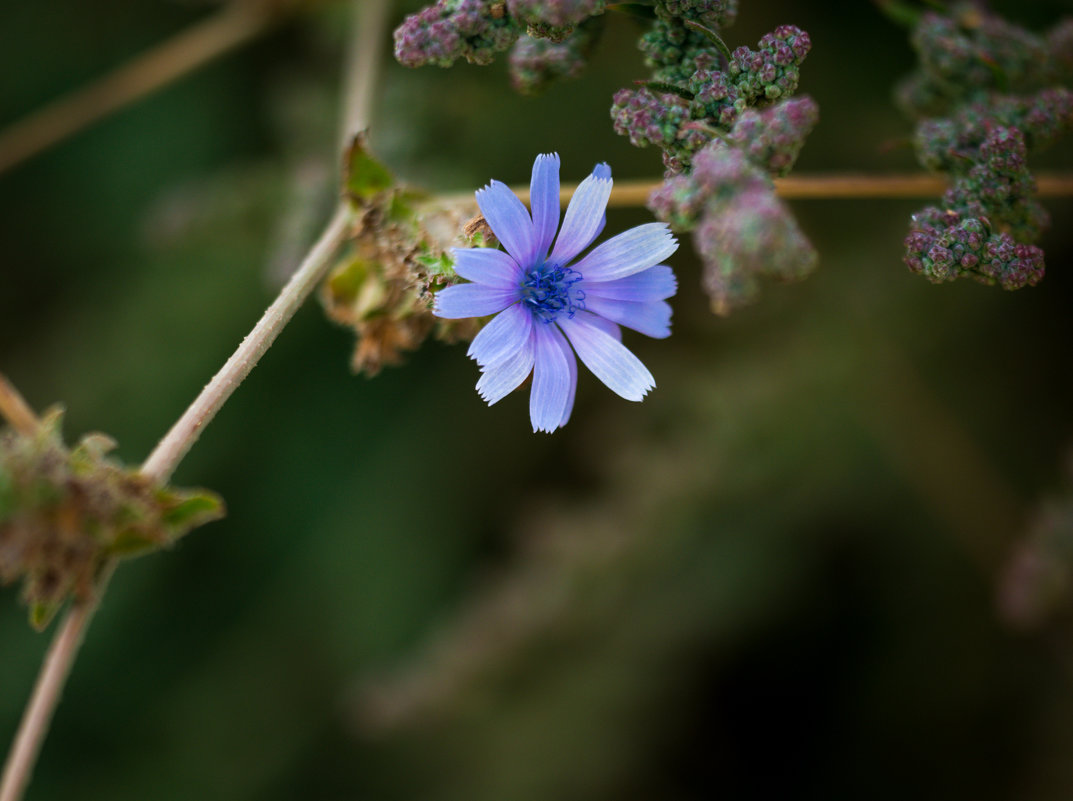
{"type": "Point", "coordinates": [553, 307]}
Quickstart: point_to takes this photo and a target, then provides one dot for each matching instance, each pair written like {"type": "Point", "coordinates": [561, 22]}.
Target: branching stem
{"type": "Point", "coordinates": [830, 186]}
{"type": "Point", "coordinates": [233, 25]}
{"type": "Point", "coordinates": [369, 16]}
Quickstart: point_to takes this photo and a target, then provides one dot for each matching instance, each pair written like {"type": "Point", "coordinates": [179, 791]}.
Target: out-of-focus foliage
{"type": "Point", "coordinates": [774, 578]}
{"type": "Point", "coordinates": [66, 512]}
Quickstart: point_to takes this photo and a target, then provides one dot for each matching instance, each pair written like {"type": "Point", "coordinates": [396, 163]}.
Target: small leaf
{"type": "Point", "coordinates": [182, 510]}
{"type": "Point", "coordinates": [41, 614]}
{"type": "Point", "coordinates": [347, 279]}
{"type": "Point", "coordinates": [714, 37]}
{"type": "Point", "coordinates": [91, 449]}
{"type": "Point", "coordinates": [363, 176]}
{"type": "Point", "coordinates": [131, 542]}
{"type": "Point", "coordinates": [666, 88]}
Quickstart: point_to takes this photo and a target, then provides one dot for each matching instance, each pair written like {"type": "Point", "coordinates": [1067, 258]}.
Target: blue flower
{"type": "Point", "coordinates": [550, 307]}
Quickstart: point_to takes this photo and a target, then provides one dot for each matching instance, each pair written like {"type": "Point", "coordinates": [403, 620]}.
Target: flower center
{"type": "Point", "coordinates": [549, 292]}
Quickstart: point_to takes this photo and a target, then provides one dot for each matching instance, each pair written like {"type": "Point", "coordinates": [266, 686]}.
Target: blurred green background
{"type": "Point", "coordinates": [775, 578]}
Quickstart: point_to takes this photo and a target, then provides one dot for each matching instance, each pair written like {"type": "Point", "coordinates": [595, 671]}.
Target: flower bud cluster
{"type": "Point", "coordinates": [555, 15]}
{"type": "Point", "coordinates": [772, 137]}
{"type": "Point", "coordinates": [741, 230]}
{"type": "Point", "coordinates": [773, 71]}
{"type": "Point", "coordinates": [944, 246]}
{"type": "Point", "coordinates": [709, 13]}
{"type": "Point", "coordinates": [649, 118]}
{"type": "Point", "coordinates": [726, 122]}
{"type": "Point", "coordinates": [537, 63]}
{"type": "Point", "coordinates": [451, 29]}
{"type": "Point", "coordinates": [477, 30]}
{"type": "Point", "coordinates": [970, 49]}
{"type": "Point", "coordinates": [671, 50]}
{"type": "Point", "coordinates": [952, 144]}
{"type": "Point", "coordinates": [710, 101]}
{"type": "Point", "coordinates": [983, 80]}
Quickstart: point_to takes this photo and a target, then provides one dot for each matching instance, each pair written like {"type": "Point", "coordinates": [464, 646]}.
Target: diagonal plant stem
{"type": "Point", "coordinates": [237, 23]}
{"type": "Point", "coordinates": [361, 76]}
{"type": "Point", "coordinates": [184, 433]}
{"type": "Point", "coordinates": [159, 466]}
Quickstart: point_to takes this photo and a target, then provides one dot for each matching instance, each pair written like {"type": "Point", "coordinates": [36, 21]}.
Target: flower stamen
{"type": "Point", "coordinates": [549, 292]}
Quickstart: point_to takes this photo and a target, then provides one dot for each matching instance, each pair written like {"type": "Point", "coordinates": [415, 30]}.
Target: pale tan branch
{"type": "Point", "coordinates": [233, 25]}
{"type": "Point", "coordinates": [820, 186]}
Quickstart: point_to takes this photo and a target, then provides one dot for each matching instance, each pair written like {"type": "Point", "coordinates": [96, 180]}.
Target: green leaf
{"type": "Point", "coordinates": [363, 176]}
{"type": "Point", "coordinates": [41, 614]}
{"type": "Point", "coordinates": [132, 542]}
{"type": "Point", "coordinates": [347, 279]}
{"type": "Point", "coordinates": [183, 510]}
{"type": "Point", "coordinates": [666, 88]}
{"type": "Point", "coordinates": [713, 37]}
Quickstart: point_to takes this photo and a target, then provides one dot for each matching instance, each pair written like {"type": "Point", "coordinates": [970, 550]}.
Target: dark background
{"type": "Point", "coordinates": [775, 578]}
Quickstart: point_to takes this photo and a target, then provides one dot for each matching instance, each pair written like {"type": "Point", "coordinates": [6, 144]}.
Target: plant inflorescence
{"type": "Point", "coordinates": [985, 94]}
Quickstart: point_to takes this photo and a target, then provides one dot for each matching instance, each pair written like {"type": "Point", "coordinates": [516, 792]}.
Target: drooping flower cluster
{"type": "Point", "coordinates": [983, 103]}
{"type": "Point", "coordinates": [772, 137]}
{"type": "Point", "coordinates": [551, 38]}
{"type": "Point", "coordinates": [553, 307]}
{"type": "Point", "coordinates": [537, 63]}
{"type": "Point", "coordinates": [553, 19]}
{"type": "Point", "coordinates": [741, 230]}
{"type": "Point", "coordinates": [452, 29]}
{"type": "Point", "coordinates": [710, 13]}
{"type": "Point", "coordinates": [725, 121]}
{"type": "Point", "coordinates": [695, 96]}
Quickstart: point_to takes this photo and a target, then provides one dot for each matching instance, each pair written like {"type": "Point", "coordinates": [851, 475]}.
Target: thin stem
{"type": "Point", "coordinates": [235, 24]}
{"type": "Point", "coordinates": [818, 187]}
{"type": "Point", "coordinates": [364, 56]}
{"type": "Point", "coordinates": [178, 441]}
{"type": "Point", "coordinates": [46, 693]}
{"type": "Point", "coordinates": [160, 464]}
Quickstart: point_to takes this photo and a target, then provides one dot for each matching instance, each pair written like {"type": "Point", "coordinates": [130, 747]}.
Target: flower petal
{"type": "Point", "coordinates": [487, 266]}
{"type": "Point", "coordinates": [509, 220]}
{"type": "Point", "coordinates": [472, 300]}
{"type": "Point", "coordinates": [584, 216]}
{"type": "Point", "coordinates": [502, 337]}
{"type": "Point", "coordinates": [627, 253]}
{"type": "Point", "coordinates": [551, 379]}
{"type": "Point", "coordinates": [608, 327]}
{"type": "Point", "coordinates": [652, 318]}
{"type": "Point", "coordinates": [544, 200]}
{"type": "Point", "coordinates": [655, 283]}
{"type": "Point", "coordinates": [571, 360]}
{"type": "Point", "coordinates": [608, 359]}
{"type": "Point", "coordinates": [499, 381]}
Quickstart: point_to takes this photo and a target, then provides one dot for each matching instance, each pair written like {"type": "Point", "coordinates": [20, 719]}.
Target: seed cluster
{"type": "Point", "coordinates": [985, 94]}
